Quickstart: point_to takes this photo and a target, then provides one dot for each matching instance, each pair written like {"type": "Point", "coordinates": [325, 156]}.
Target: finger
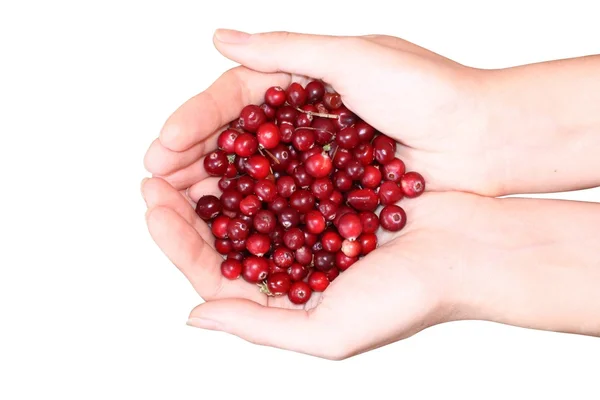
{"type": "Point", "coordinates": [204, 187]}
{"type": "Point", "coordinates": [195, 259]}
{"type": "Point", "coordinates": [404, 45]}
{"type": "Point", "coordinates": [295, 330]}
{"type": "Point", "coordinates": [202, 115]}
{"type": "Point", "coordinates": [158, 193]}
{"type": "Point", "coordinates": [187, 176]}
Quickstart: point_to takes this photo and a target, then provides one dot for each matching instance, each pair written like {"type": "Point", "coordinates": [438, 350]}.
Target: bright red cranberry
{"type": "Point", "coordinates": [347, 138]}
{"type": "Point", "coordinates": [268, 135]}
{"type": "Point", "coordinates": [342, 181]}
{"type": "Point", "coordinates": [245, 145]}
{"type": "Point", "coordinates": [240, 164]}
{"type": "Point", "coordinates": [278, 204]}
{"type": "Point", "coordinates": [369, 221]}
{"type": "Point", "coordinates": [351, 248]}
{"type": "Point", "coordinates": [283, 257]}
{"type": "Point", "coordinates": [332, 274]}
{"type": "Point", "coordinates": [224, 246]}
{"type": "Point", "coordinates": [208, 207]}
{"type": "Point", "coordinates": [297, 272]}
{"type": "Point", "coordinates": [368, 242]}
{"type": "Point", "coordinates": [287, 131]}
{"type": "Point", "coordinates": [332, 101]}
{"type": "Point", "coordinates": [250, 205]}
{"type": "Point", "coordinates": [389, 193]}
{"type": "Point", "coordinates": [302, 200]}
{"type": "Point", "coordinates": [264, 221]}
{"type": "Point", "coordinates": [216, 163]}
{"type": "Point", "coordinates": [231, 171]}
{"type": "Point", "coordinates": [384, 149]}
{"type": "Point", "coordinates": [231, 269]}
{"type": "Point", "coordinates": [275, 96]}
{"type": "Point", "coordinates": [274, 269]}
{"type": "Point", "coordinates": [288, 218]}
{"type": "Point", "coordinates": [302, 177]}
{"type": "Point", "coordinates": [245, 185]}
{"type": "Point", "coordinates": [231, 200]}
{"type": "Point", "coordinates": [337, 197]}
{"type": "Point", "coordinates": [365, 131]}
{"type": "Point", "coordinates": [318, 281]}
{"type": "Point", "coordinates": [286, 114]}
{"type": "Point", "coordinates": [226, 183]}
{"type": "Point", "coordinates": [237, 245]}
{"type": "Point", "coordinates": [319, 165]}
{"type": "Point", "coordinates": [286, 186]}
{"type": "Point", "coordinates": [258, 244]}
{"type": "Point", "coordinates": [343, 262]}
{"type": "Point", "coordinates": [255, 269]}
{"type": "Point", "coordinates": [332, 241]}
{"type": "Point", "coordinates": [371, 178]}
{"type": "Point", "coordinates": [341, 211]}
{"type": "Point", "coordinates": [315, 222]}
{"type": "Point", "coordinates": [304, 119]}
{"type": "Point", "coordinates": [363, 199]}
{"type": "Point", "coordinates": [341, 158]}
{"type": "Point", "coordinates": [269, 111]}
{"type": "Point", "coordinates": [235, 255]}
{"type": "Point", "coordinates": [328, 209]}
{"type": "Point", "coordinates": [252, 117]}
{"type": "Point", "coordinates": [226, 140]}
{"type": "Point", "coordinates": [237, 229]}
{"type": "Point", "coordinates": [364, 153]}
{"type": "Point", "coordinates": [265, 190]}
{"type": "Point", "coordinates": [349, 226]}
{"type": "Point", "coordinates": [324, 260]}
{"type": "Point", "coordinates": [293, 238]}
{"type": "Point", "coordinates": [305, 155]}
{"type": "Point", "coordinates": [322, 188]}
{"type": "Point", "coordinates": [392, 218]}
{"type": "Point", "coordinates": [314, 92]}
{"type": "Point", "coordinates": [277, 236]}
{"type": "Point", "coordinates": [393, 170]}
{"type": "Point", "coordinates": [279, 283]}
{"type": "Point", "coordinates": [303, 139]}
{"type": "Point", "coordinates": [258, 167]}
{"type": "Point", "coordinates": [296, 95]}
{"type": "Point", "coordinates": [345, 118]}
{"type": "Point", "coordinates": [355, 170]}
{"type": "Point", "coordinates": [304, 255]}
{"type": "Point", "coordinates": [219, 226]}
{"type": "Point", "coordinates": [299, 292]}
{"type": "Point", "coordinates": [324, 130]}
{"type": "Point", "coordinates": [413, 184]}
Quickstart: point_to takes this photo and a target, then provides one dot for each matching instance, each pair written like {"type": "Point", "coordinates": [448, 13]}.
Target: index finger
{"type": "Point", "coordinates": [202, 115]}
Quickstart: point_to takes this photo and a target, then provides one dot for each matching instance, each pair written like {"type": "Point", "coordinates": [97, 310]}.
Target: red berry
{"type": "Point", "coordinates": [413, 184]}
{"type": "Point", "coordinates": [252, 117]}
{"type": "Point", "coordinates": [393, 170]}
{"type": "Point", "coordinates": [286, 114]}
{"type": "Point", "coordinates": [341, 181]}
{"type": "Point", "coordinates": [281, 155]}
{"type": "Point", "coordinates": [276, 236]}
{"type": "Point", "coordinates": [236, 245]}
{"type": "Point", "coordinates": [231, 268]}
{"type": "Point", "coordinates": [303, 255]}
{"type": "Point", "coordinates": [302, 200]}
{"type": "Point", "coordinates": [258, 167]}
{"type": "Point", "coordinates": [345, 118]}
{"type": "Point", "coordinates": [235, 255]}
{"type": "Point", "coordinates": [332, 274]}
{"type": "Point", "coordinates": [304, 119]}
{"type": "Point", "coordinates": [332, 242]}
{"type": "Point", "coordinates": [364, 153]}
{"type": "Point", "coordinates": [278, 204]}
{"type": "Point", "coordinates": [219, 226]}
{"type": "Point", "coordinates": [231, 200]}
{"type": "Point", "coordinates": [269, 111]}
{"type": "Point", "coordinates": [322, 188]}
{"type": "Point", "coordinates": [268, 135]}
{"type": "Point", "coordinates": [319, 165]}
{"type": "Point", "coordinates": [297, 272]}
{"type": "Point", "coordinates": [258, 244]}
{"type": "Point", "coordinates": [318, 281]}
{"type": "Point", "coordinates": [336, 197]}
{"type": "Point", "coordinates": [275, 96]}
{"type": "Point", "coordinates": [245, 145]}
{"type": "Point", "coordinates": [365, 131]}
{"type": "Point", "coordinates": [301, 177]}
{"type": "Point", "coordinates": [324, 130]}
{"type": "Point", "coordinates": [355, 170]}
{"type": "Point", "coordinates": [255, 269]}
{"type": "Point", "coordinates": [265, 190]}
{"type": "Point", "coordinates": [363, 199]}
{"type": "Point", "coordinates": [328, 208]}
{"type": "Point", "coordinates": [392, 218]}
{"type": "Point", "coordinates": [226, 140]}
{"type": "Point", "coordinates": [371, 178]}
{"type": "Point", "coordinates": [315, 222]}
{"type": "Point", "coordinates": [314, 91]}
{"type": "Point", "coordinates": [303, 139]}
{"type": "Point", "coordinates": [286, 186]}
{"type": "Point", "coordinates": [324, 260]}
{"type": "Point", "coordinates": [349, 226]}
{"type": "Point", "coordinates": [389, 193]}
{"type": "Point", "coordinates": [347, 138]}
{"type": "Point", "coordinates": [237, 229]}
{"type": "Point", "coordinates": [332, 101]}
{"type": "Point", "coordinates": [245, 185]}
{"type": "Point", "coordinates": [293, 238]}
{"type": "Point", "coordinates": [279, 283]}
{"type": "Point", "coordinates": [368, 242]}
{"type": "Point", "coordinates": [231, 171]}
{"type": "Point", "coordinates": [283, 257]}
{"type": "Point", "coordinates": [224, 246]}
{"type": "Point", "coordinates": [208, 207]}
{"type": "Point", "coordinates": [299, 292]}
{"type": "Point", "coordinates": [384, 149]}
{"type": "Point", "coordinates": [341, 158]}
{"type": "Point", "coordinates": [369, 221]}
{"type": "Point", "coordinates": [216, 163]}
{"type": "Point", "coordinates": [250, 205]}
{"type": "Point", "coordinates": [226, 183]}
{"type": "Point", "coordinates": [343, 262]}
{"type": "Point", "coordinates": [351, 248]}
{"type": "Point", "coordinates": [296, 95]}
{"type": "Point", "coordinates": [288, 218]}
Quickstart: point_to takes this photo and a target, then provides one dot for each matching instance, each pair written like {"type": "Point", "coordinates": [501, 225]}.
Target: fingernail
{"type": "Point", "coordinates": [231, 36]}
{"type": "Point", "coordinates": [203, 323]}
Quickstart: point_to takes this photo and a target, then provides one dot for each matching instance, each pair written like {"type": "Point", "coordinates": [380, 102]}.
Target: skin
{"type": "Point", "coordinates": [472, 133]}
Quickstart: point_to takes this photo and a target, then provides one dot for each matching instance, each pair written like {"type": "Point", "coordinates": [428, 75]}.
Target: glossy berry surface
{"type": "Point", "coordinates": [299, 292]}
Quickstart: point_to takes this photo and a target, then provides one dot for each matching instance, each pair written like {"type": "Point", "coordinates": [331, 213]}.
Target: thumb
{"type": "Point", "coordinates": [330, 58]}
{"type": "Point", "coordinates": [296, 330]}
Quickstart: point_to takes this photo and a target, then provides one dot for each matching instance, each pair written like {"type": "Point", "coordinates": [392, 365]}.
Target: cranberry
{"type": "Point", "coordinates": [413, 184]}
{"type": "Point", "coordinates": [231, 268]}
{"type": "Point", "coordinates": [226, 140]}
{"type": "Point", "coordinates": [252, 117]}
{"type": "Point", "coordinates": [236, 124]}
{"type": "Point", "coordinates": [389, 193]}
{"type": "Point", "coordinates": [324, 260]}
{"type": "Point", "coordinates": [264, 221]}
{"type": "Point", "coordinates": [269, 111]}
{"type": "Point", "coordinates": [273, 269]}
{"type": "Point", "coordinates": [324, 130]}
{"type": "Point", "coordinates": [332, 101]}
{"type": "Point", "coordinates": [258, 167]}
{"type": "Point", "coordinates": [250, 205]}
{"type": "Point", "coordinates": [365, 131]}
{"type": "Point", "coordinates": [258, 244]}
{"type": "Point", "coordinates": [332, 274]}
{"type": "Point", "coordinates": [216, 163]}
{"type": "Point", "coordinates": [302, 200]}
{"type": "Point", "coordinates": [237, 245]}
{"type": "Point", "coordinates": [349, 226]}
{"type": "Point", "coordinates": [303, 139]}
{"type": "Point", "coordinates": [235, 255]}
{"type": "Point", "coordinates": [237, 229]}
{"type": "Point", "coordinates": [315, 222]}
{"type": "Point", "coordinates": [240, 164]}
{"type": "Point", "coordinates": [292, 165]}
{"type": "Point", "coordinates": [363, 199]}
{"type": "Point", "coordinates": [342, 181]}
{"type": "Point", "coordinates": [299, 292]}
{"type": "Point", "coordinates": [286, 186]}
{"type": "Point", "coordinates": [231, 171]}
{"type": "Point", "coordinates": [279, 283]}
{"type": "Point", "coordinates": [304, 119]}
{"type": "Point", "coordinates": [248, 219]}
{"type": "Point", "coordinates": [296, 95]}
{"type": "Point", "coordinates": [328, 208]}
{"type": "Point", "coordinates": [287, 131]}
{"type": "Point", "coordinates": [268, 135]}
{"type": "Point", "coordinates": [392, 218]}
{"type": "Point", "coordinates": [224, 246]}
{"type": "Point", "coordinates": [314, 92]}
{"type": "Point", "coordinates": [286, 114]}
{"type": "Point", "coordinates": [283, 257]}
{"type": "Point", "coordinates": [231, 200]}
{"type": "Point", "coordinates": [278, 204]}
{"type": "Point", "coordinates": [341, 158]}
{"type": "Point", "coordinates": [280, 158]}
{"type": "Point", "coordinates": [303, 255]}
{"type": "Point", "coordinates": [341, 211]}
{"type": "Point", "coordinates": [208, 207]}
{"type": "Point", "coordinates": [245, 185]}
{"type": "Point", "coordinates": [310, 239]}
{"type": "Point", "coordinates": [343, 262]}
{"type": "Point", "coordinates": [369, 221]}
{"type": "Point", "coordinates": [229, 213]}
{"type": "Point", "coordinates": [226, 183]}
{"type": "Point", "coordinates": [347, 138]}
{"type": "Point", "coordinates": [384, 149]}
{"type": "Point", "coordinates": [336, 197]}
{"type": "Point", "coordinates": [318, 281]}
{"type": "Point", "coordinates": [245, 145]}
{"type": "Point", "coordinates": [255, 269]}
{"type": "Point", "coordinates": [265, 190]}
{"type": "Point", "coordinates": [345, 118]}
{"type": "Point", "coordinates": [371, 178]}
{"type": "Point", "coordinates": [364, 153]}
{"type": "Point", "coordinates": [368, 242]}
{"type": "Point", "coordinates": [355, 170]}
{"type": "Point", "coordinates": [322, 188]}
{"type": "Point", "coordinates": [301, 176]}
{"type": "Point", "coordinates": [332, 242]}
{"type": "Point", "coordinates": [297, 272]}
{"type": "Point", "coordinates": [276, 236]}
{"type": "Point", "coordinates": [219, 226]}
{"type": "Point", "coordinates": [393, 170]}
{"type": "Point", "coordinates": [288, 218]}
{"type": "Point", "coordinates": [275, 96]}
{"type": "Point", "coordinates": [293, 238]}
{"type": "Point", "coordinates": [351, 248]}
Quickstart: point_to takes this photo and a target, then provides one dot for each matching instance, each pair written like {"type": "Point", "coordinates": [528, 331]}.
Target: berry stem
{"type": "Point", "coordinates": [261, 149]}
{"type": "Point", "coordinates": [318, 114]}
{"type": "Point", "coordinates": [264, 289]}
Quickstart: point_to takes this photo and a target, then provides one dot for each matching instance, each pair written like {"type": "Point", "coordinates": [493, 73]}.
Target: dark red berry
{"type": "Point", "coordinates": [315, 222]}
{"type": "Point", "coordinates": [304, 119]}
{"type": "Point", "coordinates": [231, 200]}
{"type": "Point", "coordinates": [288, 218]}
{"type": "Point", "coordinates": [296, 95]}
{"type": "Point", "coordinates": [226, 183]}
{"type": "Point", "coordinates": [384, 149]}
{"type": "Point", "coordinates": [226, 140]}
{"type": "Point", "coordinates": [363, 199]}
{"type": "Point", "coordinates": [231, 268]}
{"type": "Point", "coordinates": [332, 101]}
{"type": "Point", "coordinates": [275, 96]}
{"type": "Point", "coordinates": [297, 272]}
{"type": "Point", "coordinates": [245, 185]}
{"type": "Point", "coordinates": [389, 193]}
{"type": "Point", "coordinates": [355, 170]}
{"type": "Point", "coordinates": [219, 226]}
{"type": "Point", "coordinates": [258, 167]}
{"type": "Point", "coordinates": [303, 139]}
{"type": "Point", "coordinates": [343, 262]}
{"type": "Point", "coordinates": [224, 246]}
{"type": "Point", "coordinates": [237, 229]}
{"type": "Point", "coordinates": [278, 204]}
{"type": "Point", "coordinates": [216, 163]}
{"type": "Point", "coordinates": [324, 130]}
{"type": "Point", "coordinates": [322, 188]}
{"type": "Point", "coordinates": [368, 242]}
{"type": "Point", "coordinates": [364, 153]}
{"type": "Point", "coordinates": [392, 218]}
{"type": "Point", "coordinates": [337, 197]}
{"type": "Point", "coordinates": [345, 118]}
{"type": "Point", "coordinates": [235, 255]}
{"type": "Point", "coordinates": [245, 145]}
{"type": "Point", "coordinates": [231, 171]}
{"type": "Point", "coordinates": [283, 257]}
{"type": "Point", "coordinates": [302, 200]}
{"type": "Point", "coordinates": [255, 269]}
{"type": "Point", "coordinates": [276, 236]}
{"type": "Point", "coordinates": [332, 274]}
{"type": "Point", "coordinates": [314, 92]}
{"type": "Point", "coordinates": [258, 244]}
{"type": "Point", "coordinates": [369, 221]}
{"type": "Point", "coordinates": [371, 178]}
{"type": "Point", "coordinates": [269, 111]}
{"type": "Point", "coordinates": [252, 117]}
{"type": "Point", "coordinates": [347, 138]}
{"type": "Point", "coordinates": [293, 238]}
{"type": "Point", "coordinates": [324, 260]}
{"type": "Point", "coordinates": [265, 190]}
{"type": "Point", "coordinates": [264, 221]}
{"type": "Point", "coordinates": [279, 283]}
{"type": "Point", "coordinates": [332, 241]}
{"type": "Point", "coordinates": [286, 186]}
{"type": "Point", "coordinates": [299, 292]}
{"type": "Point", "coordinates": [286, 114]}
{"type": "Point", "coordinates": [318, 281]}
{"type": "Point", "coordinates": [365, 131]}
{"type": "Point", "coordinates": [250, 205]}
{"type": "Point", "coordinates": [341, 181]}
{"type": "Point", "coordinates": [303, 255]}
{"type": "Point", "coordinates": [208, 207]}
{"type": "Point", "coordinates": [341, 158]}
{"type": "Point", "coordinates": [413, 184]}
{"type": "Point", "coordinates": [328, 209]}
{"type": "Point", "coordinates": [237, 245]}
{"type": "Point", "coordinates": [349, 226]}
{"type": "Point", "coordinates": [302, 177]}
{"type": "Point", "coordinates": [393, 170]}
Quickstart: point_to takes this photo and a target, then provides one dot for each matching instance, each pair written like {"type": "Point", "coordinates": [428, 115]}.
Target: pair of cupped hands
{"type": "Point", "coordinates": [432, 271]}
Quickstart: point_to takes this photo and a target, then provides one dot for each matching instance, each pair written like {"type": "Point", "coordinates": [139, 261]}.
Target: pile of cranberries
{"type": "Point", "coordinates": [301, 178]}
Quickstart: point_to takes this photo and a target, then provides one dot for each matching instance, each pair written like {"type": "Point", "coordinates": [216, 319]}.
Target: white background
{"type": "Point", "coordinates": [89, 306]}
